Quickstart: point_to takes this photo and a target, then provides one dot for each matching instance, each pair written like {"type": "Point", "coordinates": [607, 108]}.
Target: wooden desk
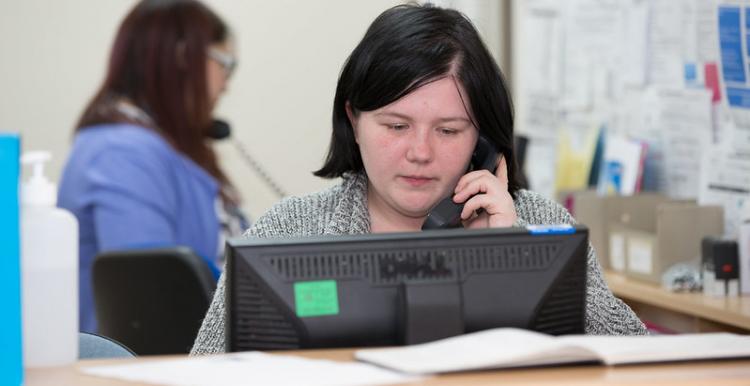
{"type": "Point", "coordinates": [682, 312]}
{"type": "Point", "coordinates": [695, 373]}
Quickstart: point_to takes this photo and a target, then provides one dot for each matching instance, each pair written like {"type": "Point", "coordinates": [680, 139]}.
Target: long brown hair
{"type": "Point", "coordinates": [158, 63]}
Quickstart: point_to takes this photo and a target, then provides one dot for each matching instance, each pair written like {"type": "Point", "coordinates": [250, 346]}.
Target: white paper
{"type": "Point", "coordinates": [685, 123]}
{"type": "Point", "coordinates": [511, 347]}
{"type": "Point", "coordinates": [250, 368]}
{"type": "Point", "coordinates": [542, 26]}
{"type": "Point", "coordinates": [538, 106]}
{"type": "Point", "coordinates": [640, 256]}
{"type": "Point", "coordinates": [542, 117]}
{"type": "Point", "coordinates": [706, 31]}
{"type": "Point", "coordinates": [738, 138]}
{"type": "Point", "coordinates": [666, 39]}
{"type": "Point", "coordinates": [725, 181]}
{"type": "Point", "coordinates": [617, 251]}
{"type": "Point", "coordinates": [644, 348]}
{"type": "Point", "coordinates": [635, 42]}
{"type": "Point", "coordinates": [591, 44]}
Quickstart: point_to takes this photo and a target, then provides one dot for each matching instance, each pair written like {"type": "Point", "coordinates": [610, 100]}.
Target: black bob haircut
{"type": "Point", "coordinates": [406, 47]}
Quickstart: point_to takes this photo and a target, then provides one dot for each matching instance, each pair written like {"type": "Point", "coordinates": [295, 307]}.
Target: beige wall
{"type": "Point", "coordinates": [279, 102]}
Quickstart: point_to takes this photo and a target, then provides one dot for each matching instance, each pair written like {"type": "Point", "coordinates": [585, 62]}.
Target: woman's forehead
{"type": "Point", "coordinates": [443, 98]}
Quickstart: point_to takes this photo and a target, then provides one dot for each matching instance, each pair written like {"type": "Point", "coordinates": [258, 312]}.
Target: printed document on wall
{"type": "Point", "coordinates": [725, 181]}
{"type": "Point", "coordinates": [634, 40]}
{"type": "Point", "coordinates": [685, 123]}
{"type": "Point", "coordinates": [666, 36]}
{"type": "Point", "coordinates": [591, 46]}
{"type": "Point", "coordinates": [734, 46]}
{"type": "Point", "coordinates": [541, 25]}
{"type": "Point", "coordinates": [701, 44]}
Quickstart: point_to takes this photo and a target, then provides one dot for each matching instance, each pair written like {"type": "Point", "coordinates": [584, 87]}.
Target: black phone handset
{"type": "Point", "coordinates": [447, 214]}
{"type": "Point", "coordinates": [219, 129]}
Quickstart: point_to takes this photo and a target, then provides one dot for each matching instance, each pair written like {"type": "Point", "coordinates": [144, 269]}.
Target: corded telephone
{"type": "Point", "coordinates": [447, 214]}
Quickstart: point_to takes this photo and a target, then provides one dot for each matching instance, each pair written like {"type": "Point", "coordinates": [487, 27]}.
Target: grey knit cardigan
{"type": "Point", "coordinates": [342, 209]}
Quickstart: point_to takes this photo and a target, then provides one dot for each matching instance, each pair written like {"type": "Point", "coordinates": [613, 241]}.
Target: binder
{"type": "Point", "coordinates": [11, 367]}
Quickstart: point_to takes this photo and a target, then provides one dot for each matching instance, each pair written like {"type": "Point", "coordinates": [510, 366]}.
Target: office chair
{"type": "Point", "coordinates": [93, 346]}
{"type": "Point", "coordinates": [152, 300]}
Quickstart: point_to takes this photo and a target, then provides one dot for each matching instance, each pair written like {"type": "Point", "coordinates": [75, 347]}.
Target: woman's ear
{"type": "Point", "coordinates": [352, 120]}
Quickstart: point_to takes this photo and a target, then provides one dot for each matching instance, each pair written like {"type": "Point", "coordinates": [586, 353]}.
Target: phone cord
{"type": "Point", "coordinates": [255, 165]}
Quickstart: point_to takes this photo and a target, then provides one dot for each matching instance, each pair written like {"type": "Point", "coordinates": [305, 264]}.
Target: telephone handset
{"type": "Point", "coordinates": [219, 129]}
{"type": "Point", "coordinates": [447, 214]}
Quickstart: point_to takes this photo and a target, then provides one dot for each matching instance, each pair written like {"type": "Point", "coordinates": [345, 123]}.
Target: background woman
{"type": "Point", "coordinates": [142, 172]}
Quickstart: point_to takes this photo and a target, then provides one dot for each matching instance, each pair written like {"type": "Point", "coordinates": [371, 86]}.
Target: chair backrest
{"type": "Point", "coordinates": [93, 346]}
{"type": "Point", "coordinates": [152, 300]}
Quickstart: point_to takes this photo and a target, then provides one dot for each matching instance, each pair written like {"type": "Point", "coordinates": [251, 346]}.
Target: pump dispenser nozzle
{"type": "Point", "coordinates": [38, 190]}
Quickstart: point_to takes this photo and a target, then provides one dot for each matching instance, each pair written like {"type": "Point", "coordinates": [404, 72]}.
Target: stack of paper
{"type": "Point", "coordinates": [250, 368]}
{"type": "Point", "coordinates": [510, 347]}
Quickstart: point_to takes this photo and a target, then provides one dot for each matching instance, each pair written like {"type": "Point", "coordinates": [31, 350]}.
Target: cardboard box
{"type": "Point", "coordinates": [673, 237]}
{"type": "Point", "coordinates": [645, 234]}
{"type": "Point", "coordinates": [604, 215]}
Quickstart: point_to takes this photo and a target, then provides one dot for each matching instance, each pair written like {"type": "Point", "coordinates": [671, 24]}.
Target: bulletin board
{"type": "Point", "coordinates": [664, 85]}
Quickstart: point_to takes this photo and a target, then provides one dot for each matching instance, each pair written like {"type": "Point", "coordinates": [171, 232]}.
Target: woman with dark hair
{"type": "Point", "coordinates": [412, 101]}
{"type": "Point", "coordinates": [142, 172]}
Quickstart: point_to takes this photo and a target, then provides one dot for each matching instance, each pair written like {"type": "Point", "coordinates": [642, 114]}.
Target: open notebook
{"type": "Point", "coordinates": [511, 347]}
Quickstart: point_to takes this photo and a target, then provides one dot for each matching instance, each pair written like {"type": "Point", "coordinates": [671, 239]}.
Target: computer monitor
{"type": "Point", "coordinates": [403, 288]}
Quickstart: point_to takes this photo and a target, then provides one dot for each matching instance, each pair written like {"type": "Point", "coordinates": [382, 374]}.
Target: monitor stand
{"type": "Point", "coordinates": [429, 311]}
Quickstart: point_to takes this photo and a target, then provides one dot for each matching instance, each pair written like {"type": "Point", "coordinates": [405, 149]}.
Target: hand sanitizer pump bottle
{"type": "Point", "coordinates": [49, 266]}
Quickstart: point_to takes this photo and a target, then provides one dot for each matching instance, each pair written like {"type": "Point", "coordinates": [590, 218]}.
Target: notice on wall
{"type": "Point", "coordinates": [684, 121]}
{"type": "Point", "coordinates": [543, 25]}
{"type": "Point", "coordinates": [666, 38]}
{"type": "Point", "coordinates": [725, 181]}
{"type": "Point", "coordinates": [735, 56]}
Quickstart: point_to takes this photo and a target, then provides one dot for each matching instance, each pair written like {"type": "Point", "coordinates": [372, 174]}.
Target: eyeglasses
{"type": "Point", "coordinates": [227, 61]}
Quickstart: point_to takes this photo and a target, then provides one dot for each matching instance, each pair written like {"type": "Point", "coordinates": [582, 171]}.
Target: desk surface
{"type": "Point", "coordinates": [736, 372]}
{"type": "Point", "coordinates": [734, 311]}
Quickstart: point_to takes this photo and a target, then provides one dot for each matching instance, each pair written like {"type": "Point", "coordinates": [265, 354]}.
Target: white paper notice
{"type": "Point", "coordinates": [666, 34]}
{"type": "Point", "coordinates": [592, 29]}
{"type": "Point", "coordinates": [542, 25]}
{"type": "Point", "coordinates": [542, 116]}
{"type": "Point", "coordinates": [634, 40]}
{"type": "Point", "coordinates": [685, 123]}
{"type": "Point", "coordinates": [725, 181]}
{"type": "Point", "coordinates": [250, 368]}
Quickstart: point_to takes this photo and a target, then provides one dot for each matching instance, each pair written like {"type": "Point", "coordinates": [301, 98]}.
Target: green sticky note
{"type": "Point", "coordinates": [316, 298]}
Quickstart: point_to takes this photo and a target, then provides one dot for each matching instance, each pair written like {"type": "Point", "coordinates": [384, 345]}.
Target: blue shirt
{"type": "Point", "coordinates": [129, 188]}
